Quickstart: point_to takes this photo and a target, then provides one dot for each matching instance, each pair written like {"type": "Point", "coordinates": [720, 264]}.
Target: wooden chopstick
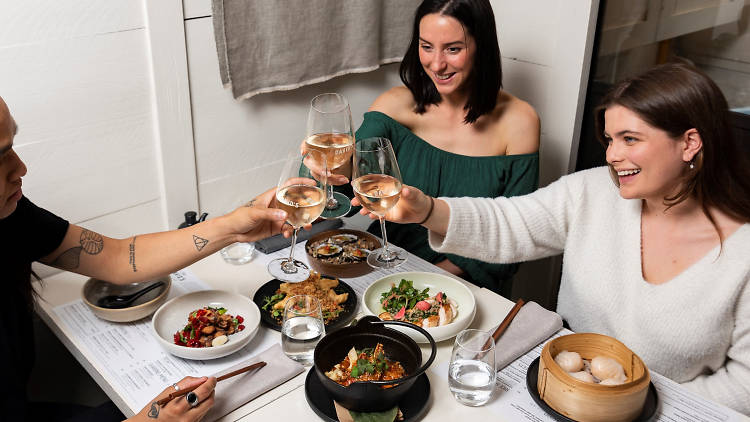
{"type": "Point", "coordinates": [183, 391]}
{"type": "Point", "coordinates": [508, 318]}
{"type": "Point", "coordinates": [506, 322]}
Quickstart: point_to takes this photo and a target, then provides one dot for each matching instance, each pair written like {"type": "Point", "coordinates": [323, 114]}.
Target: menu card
{"type": "Point", "coordinates": [513, 401]}
{"type": "Point", "coordinates": [129, 357]}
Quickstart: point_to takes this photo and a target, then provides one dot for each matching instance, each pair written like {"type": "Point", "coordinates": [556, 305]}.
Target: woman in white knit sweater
{"type": "Point", "coordinates": [659, 258]}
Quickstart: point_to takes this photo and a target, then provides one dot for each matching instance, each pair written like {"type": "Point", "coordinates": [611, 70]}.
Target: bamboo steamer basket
{"type": "Point", "coordinates": [589, 402]}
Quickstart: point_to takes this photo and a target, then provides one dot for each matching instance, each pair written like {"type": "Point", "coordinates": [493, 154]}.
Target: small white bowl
{"type": "Point", "coordinates": [173, 316]}
{"type": "Point", "coordinates": [437, 283]}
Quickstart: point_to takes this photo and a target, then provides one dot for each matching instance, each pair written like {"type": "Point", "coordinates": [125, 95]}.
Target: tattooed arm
{"type": "Point", "coordinates": [148, 256]}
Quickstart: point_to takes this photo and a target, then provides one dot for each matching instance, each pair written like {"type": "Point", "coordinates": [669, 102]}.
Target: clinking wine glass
{"type": "Point", "coordinates": [376, 180]}
{"type": "Point", "coordinates": [329, 130]}
{"type": "Point", "coordinates": [301, 192]}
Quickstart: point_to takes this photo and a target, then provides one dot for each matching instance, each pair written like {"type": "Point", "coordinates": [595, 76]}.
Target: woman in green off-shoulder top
{"type": "Point", "coordinates": [454, 130]}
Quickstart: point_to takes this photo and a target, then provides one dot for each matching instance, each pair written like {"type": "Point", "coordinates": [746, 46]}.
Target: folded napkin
{"type": "Point", "coordinates": [238, 390]}
{"type": "Point", "coordinates": [532, 325]}
{"type": "Point", "coordinates": [274, 243]}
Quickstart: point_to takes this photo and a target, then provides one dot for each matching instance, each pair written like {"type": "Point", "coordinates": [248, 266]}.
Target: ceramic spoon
{"type": "Point", "coordinates": [124, 301]}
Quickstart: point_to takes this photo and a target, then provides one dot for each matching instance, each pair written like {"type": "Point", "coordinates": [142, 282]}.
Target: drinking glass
{"type": "Point", "coordinates": [329, 130]}
{"type": "Point", "coordinates": [376, 180]}
{"type": "Point", "coordinates": [301, 192]}
{"type": "Point", "coordinates": [471, 374]}
{"type": "Point", "coordinates": [302, 328]}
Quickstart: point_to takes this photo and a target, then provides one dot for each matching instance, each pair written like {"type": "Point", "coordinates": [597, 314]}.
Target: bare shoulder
{"type": "Point", "coordinates": [518, 123]}
{"type": "Point", "coordinates": [397, 102]}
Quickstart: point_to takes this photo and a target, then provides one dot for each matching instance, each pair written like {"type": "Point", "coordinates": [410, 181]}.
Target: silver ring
{"type": "Point", "coordinates": [176, 387]}
{"type": "Point", "coordinates": [192, 399]}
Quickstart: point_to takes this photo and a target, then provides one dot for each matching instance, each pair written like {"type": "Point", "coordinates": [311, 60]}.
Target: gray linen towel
{"type": "Point", "coordinates": [532, 325]}
{"type": "Point", "coordinates": [240, 389]}
{"type": "Point", "coordinates": [266, 45]}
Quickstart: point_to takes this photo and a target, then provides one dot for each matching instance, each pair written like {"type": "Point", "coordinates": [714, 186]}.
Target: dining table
{"type": "Point", "coordinates": [287, 400]}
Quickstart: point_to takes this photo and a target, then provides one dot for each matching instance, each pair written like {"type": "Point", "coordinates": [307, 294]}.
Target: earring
{"type": "Point", "coordinates": [692, 165]}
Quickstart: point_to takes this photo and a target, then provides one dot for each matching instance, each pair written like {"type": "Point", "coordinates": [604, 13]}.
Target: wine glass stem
{"type": "Point", "coordinates": [386, 253]}
{"type": "Point", "coordinates": [331, 203]}
{"type": "Point", "coordinates": [289, 266]}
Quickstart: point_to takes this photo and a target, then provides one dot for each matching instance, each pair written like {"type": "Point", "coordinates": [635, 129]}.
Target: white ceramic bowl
{"type": "Point", "coordinates": [173, 316]}
{"type": "Point", "coordinates": [437, 283]}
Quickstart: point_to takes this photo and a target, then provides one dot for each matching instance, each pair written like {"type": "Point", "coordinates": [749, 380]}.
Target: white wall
{"type": "Point", "coordinates": [76, 76]}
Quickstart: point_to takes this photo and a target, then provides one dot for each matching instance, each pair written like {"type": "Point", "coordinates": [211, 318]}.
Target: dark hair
{"type": "Point", "coordinates": [477, 19]}
{"type": "Point", "coordinates": [676, 97]}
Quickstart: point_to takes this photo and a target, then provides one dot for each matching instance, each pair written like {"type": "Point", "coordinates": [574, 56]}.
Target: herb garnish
{"type": "Point", "coordinates": [403, 295]}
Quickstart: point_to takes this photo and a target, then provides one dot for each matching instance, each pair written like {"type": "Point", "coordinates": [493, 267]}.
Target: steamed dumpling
{"type": "Point", "coordinates": [569, 361]}
{"type": "Point", "coordinates": [607, 368]}
{"type": "Point", "coordinates": [614, 381]}
{"type": "Point", "coordinates": [582, 376]}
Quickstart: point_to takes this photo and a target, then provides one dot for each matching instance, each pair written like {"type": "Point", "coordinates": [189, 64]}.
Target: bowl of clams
{"type": "Point", "coordinates": [341, 253]}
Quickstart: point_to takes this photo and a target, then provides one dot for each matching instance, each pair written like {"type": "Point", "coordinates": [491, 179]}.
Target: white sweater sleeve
{"type": "Point", "coordinates": [521, 228]}
{"type": "Point", "coordinates": [730, 384]}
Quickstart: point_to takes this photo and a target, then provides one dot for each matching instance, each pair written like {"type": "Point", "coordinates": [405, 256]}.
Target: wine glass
{"type": "Point", "coordinates": [329, 130]}
{"type": "Point", "coordinates": [376, 180]}
{"type": "Point", "coordinates": [301, 192]}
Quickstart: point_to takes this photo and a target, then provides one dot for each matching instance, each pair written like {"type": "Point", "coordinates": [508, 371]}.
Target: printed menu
{"type": "Point", "coordinates": [130, 357]}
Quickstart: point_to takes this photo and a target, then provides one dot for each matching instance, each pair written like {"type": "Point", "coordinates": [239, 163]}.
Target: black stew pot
{"type": "Point", "coordinates": [370, 396]}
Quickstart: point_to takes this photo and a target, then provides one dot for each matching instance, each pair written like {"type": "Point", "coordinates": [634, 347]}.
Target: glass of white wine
{"type": "Point", "coordinates": [329, 130]}
{"type": "Point", "coordinates": [376, 180]}
{"type": "Point", "coordinates": [301, 192]}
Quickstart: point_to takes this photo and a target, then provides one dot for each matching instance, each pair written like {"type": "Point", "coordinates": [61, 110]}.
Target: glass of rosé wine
{"type": "Point", "coordinates": [301, 192]}
{"type": "Point", "coordinates": [329, 130]}
{"type": "Point", "coordinates": [376, 180]}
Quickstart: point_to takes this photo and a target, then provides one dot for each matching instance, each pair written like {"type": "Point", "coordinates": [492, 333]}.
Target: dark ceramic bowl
{"type": "Point", "coordinates": [95, 289]}
{"type": "Point", "coordinates": [342, 270]}
{"type": "Point", "coordinates": [370, 396]}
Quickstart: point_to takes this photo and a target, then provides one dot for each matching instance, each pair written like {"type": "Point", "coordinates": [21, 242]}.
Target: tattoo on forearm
{"type": "Point", "coordinates": [132, 254]}
{"type": "Point", "coordinates": [92, 243]}
{"type": "Point", "coordinates": [69, 259]}
{"type": "Point", "coordinates": [200, 242]}
{"type": "Point", "coordinates": [251, 202]}
{"type": "Point", "coordinates": [153, 413]}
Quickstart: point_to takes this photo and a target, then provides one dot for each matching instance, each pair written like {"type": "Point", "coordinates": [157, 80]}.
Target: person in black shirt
{"type": "Point", "coordinates": [30, 233]}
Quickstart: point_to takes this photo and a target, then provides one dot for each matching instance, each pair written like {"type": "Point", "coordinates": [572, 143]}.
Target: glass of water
{"type": "Point", "coordinates": [302, 328]}
{"type": "Point", "coordinates": [471, 375]}
{"type": "Point", "coordinates": [238, 253]}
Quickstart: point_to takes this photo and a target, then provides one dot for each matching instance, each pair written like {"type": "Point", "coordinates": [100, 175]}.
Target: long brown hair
{"type": "Point", "coordinates": [676, 97]}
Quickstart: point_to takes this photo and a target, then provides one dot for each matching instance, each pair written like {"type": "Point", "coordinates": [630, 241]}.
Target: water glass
{"type": "Point", "coordinates": [238, 253]}
{"type": "Point", "coordinates": [302, 328]}
{"type": "Point", "coordinates": [471, 375]}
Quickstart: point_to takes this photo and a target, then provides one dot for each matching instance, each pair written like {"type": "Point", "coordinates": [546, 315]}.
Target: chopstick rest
{"type": "Point", "coordinates": [184, 391]}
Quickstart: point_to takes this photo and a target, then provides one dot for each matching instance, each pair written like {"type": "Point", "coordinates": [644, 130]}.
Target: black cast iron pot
{"type": "Point", "coordinates": [369, 396]}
